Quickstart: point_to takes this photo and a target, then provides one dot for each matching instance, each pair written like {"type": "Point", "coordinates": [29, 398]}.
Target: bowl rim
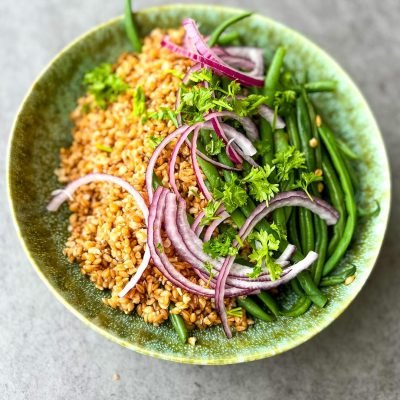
{"type": "Point", "coordinates": [300, 339]}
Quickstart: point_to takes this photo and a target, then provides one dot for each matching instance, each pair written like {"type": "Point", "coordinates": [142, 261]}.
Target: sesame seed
{"type": "Point", "coordinates": [349, 279]}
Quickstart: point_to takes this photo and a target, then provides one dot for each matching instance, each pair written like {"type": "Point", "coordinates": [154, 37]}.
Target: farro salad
{"type": "Point", "coordinates": [203, 185]}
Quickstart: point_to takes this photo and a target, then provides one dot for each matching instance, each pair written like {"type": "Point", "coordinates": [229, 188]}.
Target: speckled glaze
{"type": "Point", "coordinates": [42, 127]}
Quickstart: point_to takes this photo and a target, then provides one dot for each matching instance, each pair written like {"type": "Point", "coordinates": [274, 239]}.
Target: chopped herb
{"type": "Point", "coordinates": [221, 245]}
{"type": "Point", "coordinates": [259, 185]}
{"type": "Point", "coordinates": [235, 312]}
{"type": "Point", "coordinates": [104, 84]}
{"type": "Point", "coordinates": [208, 266]}
{"type": "Point", "coordinates": [209, 212]}
{"type": "Point", "coordinates": [174, 72]}
{"type": "Point", "coordinates": [85, 108]}
{"type": "Point", "coordinates": [279, 230]}
{"type": "Point", "coordinates": [264, 244]}
{"type": "Point", "coordinates": [139, 102]}
{"type": "Point", "coordinates": [284, 100]}
{"type": "Point", "coordinates": [103, 147]}
{"type": "Point", "coordinates": [160, 247]}
{"type": "Point", "coordinates": [165, 113]}
{"type": "Point", "coordinates": [286, 161]}
{"type": "Point", "coordinates": [215, 145]}
{"type": "Point", "coordinates": [306, 179]}
{"type": "Point", "coordinates": [155, 140]}
{"type": "Point", "coordinates": [233, 195]}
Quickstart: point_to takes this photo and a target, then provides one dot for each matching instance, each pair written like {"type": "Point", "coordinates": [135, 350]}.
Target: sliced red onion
{"type": "Point", "coordinates": [241, 141]}
{"type": "Point", "coordinates": [197, 220]}
{"type": "Point", "coordinates": [252, 54]}
{"type": "Point", "coordinates": [238, 62]}
{"type": "Point", "coordinates": [198, 174]}
{"type": "Point", "coordinates": [214, 225]}
{"type": "Point", "coordinates": [218, 66]}
{"type": "Point", "coordinates": [69, 190]}
{"type": "Point", "coordinates": [290, 199]}
{"type": "Point", "coordinates": [156, 215]}
{"type": "Point", "coordinates": [205, 51]}
{"type": "Point", "coordinates": [293, 198]}
{"type": "Point", "coordinates": [232, 153]}
{"type": "Point", "coordinates": [210, 160]}
{"type": "Point", "coordinates": [287, 253]}
{"type": "Point", "coordinates": [153, 159]}
{"type": "Point", "coordinates": [190, 71]}
{"type": "Point", "coordinates": [268, 114]}
{"type": "Point", "coordinates": [248, 125]}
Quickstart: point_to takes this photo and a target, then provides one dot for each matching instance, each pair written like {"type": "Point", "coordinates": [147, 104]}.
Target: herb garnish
{"type": "Point", "coordinates": [139, 102]}
{"type": "Point", "coordinates": [259, 185]}
{"type": "Point", "coordinates": [221, 245]}
{"type": "Point", "coordinates": [104, 84]}
{"type": "Point", "coordinates": [264, 244]}
{"type": "Point", "coordinates": [306, 179]}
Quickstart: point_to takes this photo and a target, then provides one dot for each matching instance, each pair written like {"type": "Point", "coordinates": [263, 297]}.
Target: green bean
{"type": "Point", "coordinates": [274, 70]}
{"type": "Point", "coordinates": [314, 129]}
{"type": "Point", "coordinates": [344, 178]}
{"type": "Point", "coordinates": [299, 308]}
{"type": "Point", "coordinates": [210, 171]}
{"type": "Point", "coordinates": [269, 302]}
{"type": "Point", "coordinates": [351, 171]}
{"type": "Point", "coordinates": [320, 86]}
{"type": "Point", "coordinates": [254, 309]}
{"type": "Point", "coordinates": [312, 291]}
{"type": "Point", "coordinates": [321, 247]}
{"type": "Point", "coordinates": [130, 27]}
{"type": "Point", "coordinates": [337, 201]}
{"type": "Point", "coordinates": [340, 277]}
{"type": "Point", "coordinates": [180, 327]}
{"type": "Point", "coordinates": [295, 285]}
{"type": "Point", "coordinates": [212, 41]}
{"type": "Point", "coordinates": [306, 230]}
{"type": "Point", "coordinates": [281, 143]}
{"type": "Point", "coordinates": [267, 142]}
{"type": "Point", "coordinates": [156, 181]}
{"type": "Point", "coordinates": [304, 129]}
{"type": "Point", "coordinates": [292, 230]}
{"type": "Point", "coordinates": [293, 132]}
{"type": "Point", "coordinates": [228, 38]}
{"type": "Point", "coordinates": [346, 151]}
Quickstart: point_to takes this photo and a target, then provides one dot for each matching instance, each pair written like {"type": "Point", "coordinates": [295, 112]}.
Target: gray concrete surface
{"type": "Point", "coordinates": [46, 353]}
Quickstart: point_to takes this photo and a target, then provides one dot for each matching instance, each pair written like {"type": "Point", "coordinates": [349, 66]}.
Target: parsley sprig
{"type": "Point", "coordinates": [221, 245]}
{"type": "Point", "coordinates": [264, 244]}
{"type": "Point", "coordinates": [104, 84]}
{"type": "Point", "coordinates": [287, 161]}
{"type": "Point", "coordinates": [306, 179]}
{"type": "Point", "coordinates": [259, 184]}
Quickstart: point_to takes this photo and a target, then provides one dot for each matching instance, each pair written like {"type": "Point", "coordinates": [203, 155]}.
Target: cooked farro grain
{"type": "Point", "coordinates": [107, 231]}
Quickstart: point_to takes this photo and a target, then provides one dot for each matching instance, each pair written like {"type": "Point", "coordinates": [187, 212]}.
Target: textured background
{"type": "Point", "coordinates": [46, 353]}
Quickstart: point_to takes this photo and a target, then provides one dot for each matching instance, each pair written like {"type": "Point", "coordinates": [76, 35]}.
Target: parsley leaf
{"type": "Point", "coordinates": [104, 84]}
{"type": "Point", "coordinates": [215, 145]}
{"type": "Point", "coordinates": [233, 195]}
{"type": "Point", "coordinates": [174, 72]}
{"type": "Point", "coordinates": [139, 102]}
{"type": "Point", "coordinates": [259, 185]}
{"type": "Point", "coordinates": [165, 113]}
{"type": "Point", "coordinates": [221, 245]}
{"type": "Point", "coordinates": [209, 212]}
{"type": "Point", "coordinates": [155, 140]}
{"type": "Point", "coordinates": [286, 161]}
{"type": "Point", "coordinates": [208, 266]}
{"type": "Point", "coordinates": [264, 246]}
{"type": "Point", "coordinates": [306, 179]}
{"type": "Point", "coordinates": [103, 147]}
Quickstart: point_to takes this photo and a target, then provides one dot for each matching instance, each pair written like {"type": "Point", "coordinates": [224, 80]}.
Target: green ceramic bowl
{"type": "Point", "coordinates": [42, 127]}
